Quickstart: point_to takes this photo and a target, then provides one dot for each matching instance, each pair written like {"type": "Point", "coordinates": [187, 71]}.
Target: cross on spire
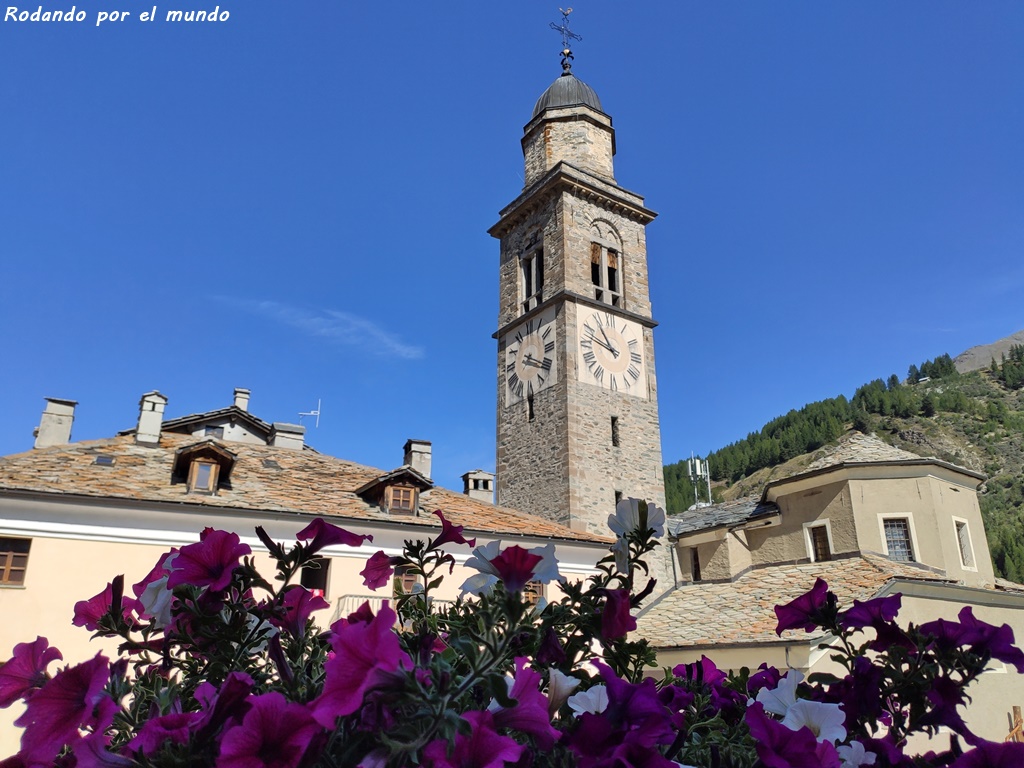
{"type": "Point", "coordinates": [567, 35]}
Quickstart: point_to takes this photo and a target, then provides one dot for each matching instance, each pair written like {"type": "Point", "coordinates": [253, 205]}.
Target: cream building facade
{"type": "Point", "coordinates": [75, 514]}
{"type": "Point", "coordinates": [870, 519]}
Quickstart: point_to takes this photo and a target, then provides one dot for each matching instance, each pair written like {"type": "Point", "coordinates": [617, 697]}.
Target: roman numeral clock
{"type": "Point", "coordinates": [530, 358]}
{"type": "Point", "coordinates": [611, 351]}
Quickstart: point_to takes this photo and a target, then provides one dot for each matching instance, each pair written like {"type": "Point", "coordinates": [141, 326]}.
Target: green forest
{"type": "Point", "coordinates": [981, 413]}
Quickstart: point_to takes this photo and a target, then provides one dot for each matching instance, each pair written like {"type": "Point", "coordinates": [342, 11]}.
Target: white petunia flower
{"type": "Point", "coordinates": [481, 583]}
{"type": "Point", "coordinates": [156, 602]}
{"type": "Point", "coordinates": [854, 755]}
{"type": "Point", "coordinates": [779, 700]}
{"type": "Point", "coordinates": [826, 721]}
{"type": "Point", "coordinates": [594, 701]}
{"type": "Point", "coordinates": [560, 686]}
{"type": "Point", "coordinates": [627, 518]}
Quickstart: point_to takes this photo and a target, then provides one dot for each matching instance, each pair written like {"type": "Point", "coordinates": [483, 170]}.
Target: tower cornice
{"type": "Point", "coordinates": [565, 295]}
{"type": "Point", "coordinates": [565, 177]}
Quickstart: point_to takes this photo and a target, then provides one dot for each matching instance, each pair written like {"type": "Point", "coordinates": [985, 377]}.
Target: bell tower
{"type": "Point", "coordinates": [577, 405]}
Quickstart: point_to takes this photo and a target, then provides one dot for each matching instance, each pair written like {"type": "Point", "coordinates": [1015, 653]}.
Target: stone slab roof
{"type": "Point", "coordinates": [857, 448]}
{"type": "Point", "coordinates": [264, 478]}
{"type": "Point", "coordinates": [743, 611]}
{"type": "Point", "coordinates": [716, 515]}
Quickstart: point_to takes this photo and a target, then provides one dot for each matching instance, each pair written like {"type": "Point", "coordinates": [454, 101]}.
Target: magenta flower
{"type": "Point", "coordinates": [781, 747]}
{"type": "Point", "coordinates": [324, 534]}
{"type": "Point", "coordinates": [274, 733]}
{"type": "Point", "coordinates": [25, 672]}
{"type": "Point", "coordinates": [449, 534]}
{"type": "Point", "coordinates": [92, 752]}
{"type": "Point", "coordinates": [364, 652]}
{"type": "Point", "coordinates": [231, 701]}
{"type": "Point", "coordinates": [379, 569]}
{"type": "Point", "coordinates": [299, 604]}
{"type": "Point", "coordinates": [209, 562]}
{"type": "Point", "coordinates": [990, 640]}
{"type": "Point", "coordinates": [989, 754]}
{"type": "Point", "coordinates": [872, 613]}
{"type": "Point", "coordinates": [175, 728]}
{"type": "Point", "coordinates": [530, 712]}
{"type": "Point", "coordinates": [803, 611]}
{"type": "Point", "coordinates": [484, 747]}
{"type": "Point", "coordinates": [616, 620]}
{"type": "Point", "coordinates": [89, 612]}
{"type": "Point", "coordinates": [75, 698]}
{"type": "Point", "coordinates": [515, 566]}
{"type": "Point", "coordinates": [765, 677]}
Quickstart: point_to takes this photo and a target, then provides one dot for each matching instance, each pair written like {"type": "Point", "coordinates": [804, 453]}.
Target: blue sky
{"type": "Point", "coordinates": [296, 201]}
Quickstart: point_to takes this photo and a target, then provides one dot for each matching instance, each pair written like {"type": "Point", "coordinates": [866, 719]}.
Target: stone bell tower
{"type": "Point", "coordinates": [577, 405]}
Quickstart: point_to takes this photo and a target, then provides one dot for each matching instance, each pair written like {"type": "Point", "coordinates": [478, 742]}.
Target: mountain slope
{"type": "Point", "coordinates": [973, 419]}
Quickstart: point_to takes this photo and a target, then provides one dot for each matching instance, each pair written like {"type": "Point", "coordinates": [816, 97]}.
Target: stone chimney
{"type": "Point", "coordinates": [151, 417]}
{"type": "Point", "coordinates": [417, 456]}
{"type": "Point", "coordinates": [242, 399]}
{"type": "Point", "coordinates": [55, 424]}
{"type": "Point", "coordinates": [479, 485]}
{"type": "Point", "coordinates": [291, 436]}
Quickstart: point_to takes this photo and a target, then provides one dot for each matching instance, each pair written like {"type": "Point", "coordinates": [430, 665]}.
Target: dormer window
{"type": "Point", "coordinates": [202, 476]}
{"type": "Point", "coordinates": [402, 499]}
{"type": "Point", "coordinates": [204, 467]}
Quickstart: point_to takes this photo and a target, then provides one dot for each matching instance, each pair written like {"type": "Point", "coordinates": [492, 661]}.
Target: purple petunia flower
{"type": "Point", "coordinates": [378, 570]}
{"type": "Point", "coordinates": [299, 604]}
{"type": "Point", "coordinates": [275, 733]}
{"type": "Point", "coordinates": [530, 712]}
{"type": "Point", "coordinates": [25, 672]}
{"type": "Point", "coordinates": [450, 534]}
{"type": "Point", "coordinates": [780, 747]}
{"type": "Point", "coordinates": [89, 612]}
{"type": "Point", "coordinates": [515, 566]}
{"type": "Point", "coordinates": [484, 747]}
{"type": "Point", "coordinates": [871, 613]}
{"type": "Point", "coordinates": [990, 640]}
{"type": "Point", "coordinates": [616, 620]}
{"type": "Point", "coordinates": [175, 728]}
{"type": "Point", "coordinates": [989, 754]}
{"type": "Point", "coordinates": [209, 562]}
{"type": "Point", "coordinates": [75, 698]}
{"type": "Point", "coordinates": [324, 534]}
{"type": "Point", "coordinates": [364, 651]}
{"type": "Point", "coordinates": [803, 611]}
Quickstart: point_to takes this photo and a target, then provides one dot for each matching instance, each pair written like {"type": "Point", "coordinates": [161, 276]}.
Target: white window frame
{"type": "Point", "coordinates": [882, 517]}
{"type": "Point", "coordinates": [970, 544]}
{"type": "Point", "coordinates": [809, 541]}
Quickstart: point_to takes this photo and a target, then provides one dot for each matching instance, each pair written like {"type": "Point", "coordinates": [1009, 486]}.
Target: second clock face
{"type": "Point", "coordinates": [611, 353]}
{"type": "Point", "coordinates": [529, 359]}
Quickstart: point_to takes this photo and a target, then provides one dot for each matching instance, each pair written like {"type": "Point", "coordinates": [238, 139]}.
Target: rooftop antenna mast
{"type": "Point", "coordinates": [567, 35]}
{"type": "Point", "coordinates": [315, 413]}
{"type": "Point", "coordinates": [698, 470]}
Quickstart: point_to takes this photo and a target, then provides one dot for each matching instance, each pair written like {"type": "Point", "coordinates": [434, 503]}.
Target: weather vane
{"type": "Point", "coordinates": [567, 35]}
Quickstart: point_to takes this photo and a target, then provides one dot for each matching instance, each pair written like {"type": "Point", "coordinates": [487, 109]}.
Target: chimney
{"type": "Point", "coordinates": [242, 399]}
{"type": "Point", "coordinates": [151, 417]}
{"type": "Point", "coordinates": [291, 436]}
{"type": "Point", "coordinates": [479, 485]}
{"type": "Point", "coordinates": [55, 425]}
{"type": "Point", "coordinates": [417, 456]}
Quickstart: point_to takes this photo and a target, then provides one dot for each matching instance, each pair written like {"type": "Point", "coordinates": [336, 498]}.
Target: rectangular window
{"type": "Point", "coordinates": [402, 499]}
{"type": "Point", "coordinates": [533, 279]}
{"type": "Point", "coordinates": [605, 274]}
{"type": "Point", "coordinates": [533, 591]}
{"type": "Point", "coordinates": [203, 477]}
{"type": "Point", "coordinates": [405, 580]}
{"type": "Point", "coordinates": [694, 564]}
{"type": "Point", "coordinates": [963, 538]}
{"type": "Point", "coordinates": [13, 561]}
{"type": "Point", "coordinates": [615, 431]}
{"type": "Point", "coordinates": [897, 539]}
{"type": "Point", "coordinates": [214, 432]}
{"type": "Point", "coordinates": [819, 544]}
{"type": "Point", "coordinates": [314, 576]}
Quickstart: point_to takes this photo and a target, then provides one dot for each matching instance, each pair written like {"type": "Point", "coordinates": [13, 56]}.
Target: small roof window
{"type": "Point", "coordinates": [104, 460]}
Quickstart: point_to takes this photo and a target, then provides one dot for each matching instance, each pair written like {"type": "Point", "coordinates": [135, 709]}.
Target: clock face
{"type": "Point", "coordinates": [529, 359]}
{"type": "Point", "coordinates": [611, 352]}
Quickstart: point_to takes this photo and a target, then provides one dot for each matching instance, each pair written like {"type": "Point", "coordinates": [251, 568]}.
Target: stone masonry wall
{"type": "Point", "coordinates": [577, 135]}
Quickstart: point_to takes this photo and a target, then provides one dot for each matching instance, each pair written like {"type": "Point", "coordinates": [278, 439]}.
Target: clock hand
{"type": "Point", "coordinates": [613, 350]}
{"type": "Point", "coordinates": [594, 338]}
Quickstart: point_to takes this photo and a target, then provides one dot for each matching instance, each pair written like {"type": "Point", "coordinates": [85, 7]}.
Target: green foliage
{"type": "Point", "coordinates": [983, 410]}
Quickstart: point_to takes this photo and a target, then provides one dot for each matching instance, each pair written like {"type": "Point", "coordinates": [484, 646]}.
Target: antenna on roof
{"type": "Point", "coordinates": [698, 470]}
{"type": "Point", "coordinates": [312, 413]}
